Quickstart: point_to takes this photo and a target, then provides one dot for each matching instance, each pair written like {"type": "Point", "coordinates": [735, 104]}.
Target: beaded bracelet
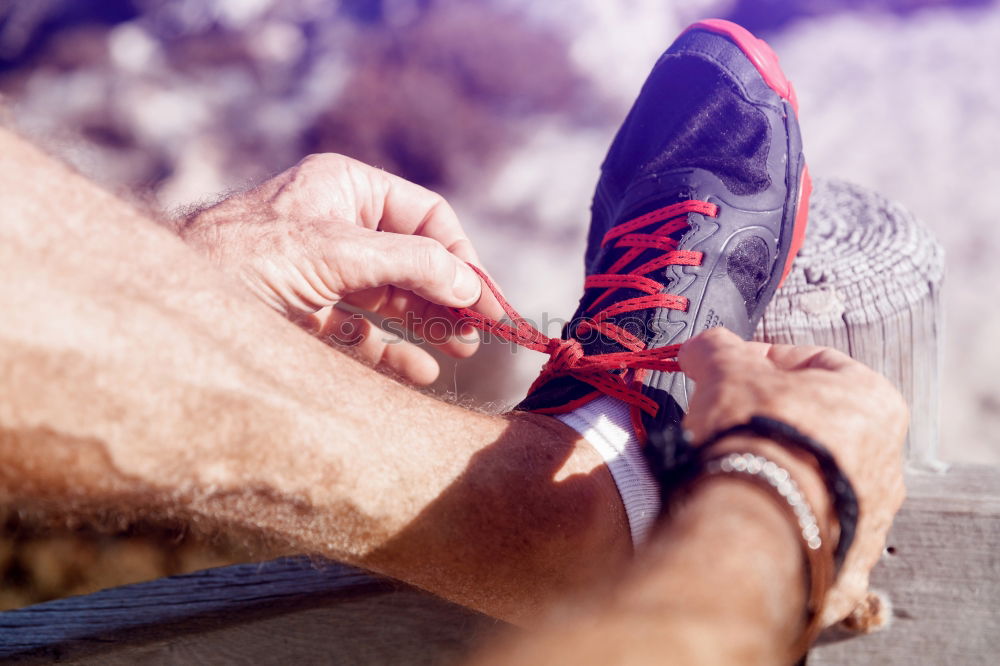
{"type": "Point", "coordinates": [780, 481]}
{"type": "Point", "coordinates": [777, 481]}
{"type": "Point", "coordinates": [677, 464]}
{"type": "Point", "coordinates": [842, 496]}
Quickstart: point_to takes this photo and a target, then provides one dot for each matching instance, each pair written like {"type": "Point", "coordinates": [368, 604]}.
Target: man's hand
{"type": "Point", "coordinates": [852, 410]}
{"type": "Point", "coordinates": [333, 230]}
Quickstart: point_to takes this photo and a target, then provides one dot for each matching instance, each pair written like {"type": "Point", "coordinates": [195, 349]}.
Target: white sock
{"type": "Point", "coordinates": [606, 423]}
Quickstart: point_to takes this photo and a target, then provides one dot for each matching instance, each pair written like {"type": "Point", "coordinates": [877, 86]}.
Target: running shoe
{"type": "Point", "coordinates": [700, 209]}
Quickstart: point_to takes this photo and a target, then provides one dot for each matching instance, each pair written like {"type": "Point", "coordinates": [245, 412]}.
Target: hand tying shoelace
{"type": "Point", "coordinates": [607, 372]}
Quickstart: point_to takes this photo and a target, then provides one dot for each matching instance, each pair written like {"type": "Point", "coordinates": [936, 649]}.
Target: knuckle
{"type": "Point", "coordinates": [431, 258]}
{"type": "Point", "coordinates": [326, 165]}
{"type": "Point", "coordinates": [833, 357]}
{"type": "Point", "coordinates": [707, 344]}
{"type": "Point", "coordinates": [320, 160]}
{"type": "Point", "coordinates": [435, 200]}
{"type": "Point", "coordinates": [713, 335]}
{"type": "Point", "coordinates": [813, 350]}
{"type": "Point", "coordinates": [312, 185]}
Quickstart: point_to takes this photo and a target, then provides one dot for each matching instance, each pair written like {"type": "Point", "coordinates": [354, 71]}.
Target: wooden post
{"type": "Point", "coordinates": [868, 282]}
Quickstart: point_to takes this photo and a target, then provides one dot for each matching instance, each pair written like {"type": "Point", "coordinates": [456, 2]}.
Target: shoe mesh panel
{"type": "Point", "coordinates": [749, 270]}
{"type": "Point", "coordinates": [690, 114]}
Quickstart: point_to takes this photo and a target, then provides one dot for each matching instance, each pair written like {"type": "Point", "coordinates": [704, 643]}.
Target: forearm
{"type": "Point", "coordinates": [729, 575]}
{"type": "Point", "coordinates": [138, 379]}
{"type": "Point", "coordinates": [721, 583]}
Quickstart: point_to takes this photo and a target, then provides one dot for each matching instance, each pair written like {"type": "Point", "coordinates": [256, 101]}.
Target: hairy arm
{"type": "Point", "coordinates": [138, 379]}
{"type": "Point", "coordinates": [721, 584]}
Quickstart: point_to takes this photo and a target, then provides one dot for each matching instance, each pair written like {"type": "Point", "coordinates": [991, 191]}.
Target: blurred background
{"type": "Point", "coordinates": [506, 107]}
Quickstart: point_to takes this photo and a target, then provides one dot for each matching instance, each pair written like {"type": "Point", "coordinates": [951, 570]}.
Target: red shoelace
{"type": "Point", "coordinates": [566, 356]}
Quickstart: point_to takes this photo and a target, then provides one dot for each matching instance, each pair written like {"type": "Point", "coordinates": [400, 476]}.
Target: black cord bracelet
{"type": "Point", "coordinates": [685, 464]}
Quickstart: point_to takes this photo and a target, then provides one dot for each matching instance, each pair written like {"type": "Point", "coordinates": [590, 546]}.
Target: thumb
{"type": "Point", "coordinates": [415, 263]}
{"type": "Point", "coordinates": [705, 356]}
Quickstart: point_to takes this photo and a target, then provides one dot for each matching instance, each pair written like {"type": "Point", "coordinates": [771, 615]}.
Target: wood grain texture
{"type": "Point", "coordinates": [867, 281]}
{"type": "Point", "coordinates": [291, 610]}
{"type": "Point", "coordinates": [942, 573]}
{"type": "Point", "coordinates": [943, 576]}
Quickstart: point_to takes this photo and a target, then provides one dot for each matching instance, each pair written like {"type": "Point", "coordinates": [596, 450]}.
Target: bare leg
{"type": "Point", "coordinates": [137, 378]}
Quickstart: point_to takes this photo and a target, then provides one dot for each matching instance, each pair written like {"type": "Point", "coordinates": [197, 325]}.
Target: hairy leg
{"type": "Point", "coordinates": [136, 378]}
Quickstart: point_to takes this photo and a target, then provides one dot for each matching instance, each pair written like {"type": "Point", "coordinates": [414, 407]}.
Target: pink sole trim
{"type": "Point", "coordinates": [801, 220]}
{"type": "Point", "coordinates": [759, 53]}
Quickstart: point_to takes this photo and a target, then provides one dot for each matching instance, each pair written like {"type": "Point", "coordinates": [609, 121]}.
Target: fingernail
{"type": "Point", "coordinates": [467, 287]}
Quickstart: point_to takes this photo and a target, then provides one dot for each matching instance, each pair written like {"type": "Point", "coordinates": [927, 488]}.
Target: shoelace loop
{"type": "Point", "coordinates": [606, 372]}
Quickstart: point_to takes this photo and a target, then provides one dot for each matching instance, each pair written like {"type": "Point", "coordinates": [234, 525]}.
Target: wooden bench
{"type": "Point", "coordinates": [866, 282]}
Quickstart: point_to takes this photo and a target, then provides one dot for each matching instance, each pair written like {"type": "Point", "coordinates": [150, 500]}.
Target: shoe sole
{"type": "Point", "coordinates": [763, 57]}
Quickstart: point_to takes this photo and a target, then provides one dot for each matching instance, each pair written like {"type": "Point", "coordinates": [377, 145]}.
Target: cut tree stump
{"type": "Point", "coordinates": [867, 282]}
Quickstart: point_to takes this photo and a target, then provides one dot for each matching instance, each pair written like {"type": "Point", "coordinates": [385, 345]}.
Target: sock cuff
{"type": "Point", "coordinates": [607, 425]}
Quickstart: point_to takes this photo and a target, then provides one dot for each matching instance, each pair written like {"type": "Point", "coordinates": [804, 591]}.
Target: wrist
{"type": "Point", "coordinates": [729, 562]}
{"type": "Point", "coordinates": [799, 467]}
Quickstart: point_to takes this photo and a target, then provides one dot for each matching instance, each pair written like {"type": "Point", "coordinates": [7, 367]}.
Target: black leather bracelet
{"type": "Point", "coordinates": [687, 464]}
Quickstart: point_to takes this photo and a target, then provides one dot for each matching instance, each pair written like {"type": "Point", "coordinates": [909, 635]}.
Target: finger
{"type": "Point", "coordinates": [489, 303]}
{"type": "Point", "coordinates": [850, 590]}
{"type": "Point", "coordinates": [395, 205]}
{"type": "Point", "coordinates": [403, 311]}
{"type": "Point", "coordinates": [414, 210]}
{"type": "Point", "coordinates": [434, 324]}
{"type": "Point", "coordinates": [340, 186]}
{"type": "Point", "coordinates": [369, 259]}
{"type": "Point", "coordinates": [449, 333]}
{"type": "Point", "coordinates": [758, 349]}
{"type": "Point", "coordinates": [411, 209]}
{"type": "Point", "coordinates": [377, 347]}
{"type": "Point", "coordinates": [704, 356]}
{"type": "Point", "coordinates": [803, 357]}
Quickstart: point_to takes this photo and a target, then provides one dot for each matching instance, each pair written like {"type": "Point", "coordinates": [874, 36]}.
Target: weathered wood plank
{"type": "Point", "coordinates": [292, 610]}
{"type": "Point", "coordinates": [943, 577]}
{"type": "Point", "coordinates": [942, 573]}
